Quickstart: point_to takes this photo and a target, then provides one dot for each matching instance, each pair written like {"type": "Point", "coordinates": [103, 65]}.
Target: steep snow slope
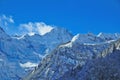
{"type": "Point", "coordinates": [19, 56]}
{"type": "Point", "coordinates": [71, 55]}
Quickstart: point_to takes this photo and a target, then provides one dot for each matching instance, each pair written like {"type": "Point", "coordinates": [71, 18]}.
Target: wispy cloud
{"type": "Point", "coordinates": [5, 20]}
{"type": "Point", "coordinates": [27, 28]}
{"type": "Point", "coordinates": [31, 28]}
{"type": "Point", "coordinates": [37, 27]}
{"type": "Point", "coordinates": [8, 18]}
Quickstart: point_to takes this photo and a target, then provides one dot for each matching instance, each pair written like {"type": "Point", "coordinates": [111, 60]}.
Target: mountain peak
{"type": "Point", "coordinates": [85, 38]}
{"type": "Point", "coordinates": [109, 36]}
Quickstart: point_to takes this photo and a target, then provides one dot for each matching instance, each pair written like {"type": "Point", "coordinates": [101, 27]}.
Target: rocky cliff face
{"type": "Point", "coordinates": [106, 68]}
{"type": "Point", "coordinates": [73, 54]}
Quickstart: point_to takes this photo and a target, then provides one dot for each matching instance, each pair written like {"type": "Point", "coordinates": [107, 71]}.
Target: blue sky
{"type": "Point", "coordinates": [78, 16]}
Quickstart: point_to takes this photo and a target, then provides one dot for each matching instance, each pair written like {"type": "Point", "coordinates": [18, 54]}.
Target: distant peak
{"type": "Point", "coordinates": [109, 36]}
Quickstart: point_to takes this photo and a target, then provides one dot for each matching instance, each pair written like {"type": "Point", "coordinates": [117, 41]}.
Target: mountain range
{"type": "Point", "coordinates": [60, 55]}
{"type": "Point", "coordinates": [20, 54]}
{"type": "Point", "coordinates": [69, 61]}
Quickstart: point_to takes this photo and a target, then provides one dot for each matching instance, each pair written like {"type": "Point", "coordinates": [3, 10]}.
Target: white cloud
{"type": "Point", "coordinates": [37, 27]}
{"type": "Point", "coordinates": [28, 27]}
{"type": "Point", "coordinates": [4, 20]}
{"type": "Point", "coordinates": [42, 28]}
{"type": "Point", "coordinates": [7, 22]}
{"type": "Point", "coordinates": [31, 28]}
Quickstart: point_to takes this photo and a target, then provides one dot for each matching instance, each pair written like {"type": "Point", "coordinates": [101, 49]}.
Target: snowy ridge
{"type": "Point", "coordinates": [109, 36]}
{"type": "Point", "coordinates": [91, 39]}
{"type": "Point", "coordinates": [75, 38]}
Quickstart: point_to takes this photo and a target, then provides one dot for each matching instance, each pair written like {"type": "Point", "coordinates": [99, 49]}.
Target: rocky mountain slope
{"type": "Point", "coordinates": [76, 53]}
{"type": "Point", "coordinates": [20, 54]}
{"type": "Point", "coordinates": [106, 68]}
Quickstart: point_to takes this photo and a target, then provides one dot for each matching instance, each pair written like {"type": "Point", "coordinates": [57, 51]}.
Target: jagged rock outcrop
{"type": "Point", "coordinates": [69, 56]}
{"type": "Point", "coordinates": [106, 68]}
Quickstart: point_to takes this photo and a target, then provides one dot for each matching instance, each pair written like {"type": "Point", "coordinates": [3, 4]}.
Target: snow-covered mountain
{"type": "Point", "coordinates": [51, 55]}
{"type": "Point", "coordinates": [109, 36]}
{"type": "Point", "coordinates": [19, 54]}
{"type": "Point", "coordinates": [74, 54]}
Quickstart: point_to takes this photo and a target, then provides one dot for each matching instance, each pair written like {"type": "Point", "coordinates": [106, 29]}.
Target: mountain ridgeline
{"type": "Point", "coordinates": [59, 55]}
{"type": "Point", "coordinates": [83, 58]}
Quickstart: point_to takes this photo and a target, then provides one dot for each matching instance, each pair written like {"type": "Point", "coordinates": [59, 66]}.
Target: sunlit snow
{"type": "Point", "coordinates": [75, 38]}
{"type": "Point", "coordinates": [28, 65]}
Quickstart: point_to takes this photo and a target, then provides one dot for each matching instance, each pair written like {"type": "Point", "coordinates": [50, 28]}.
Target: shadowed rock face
{"type": "Point", "coordinates": [69, 57]}
{"type": "Point", "coordinates": [107, 68]}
